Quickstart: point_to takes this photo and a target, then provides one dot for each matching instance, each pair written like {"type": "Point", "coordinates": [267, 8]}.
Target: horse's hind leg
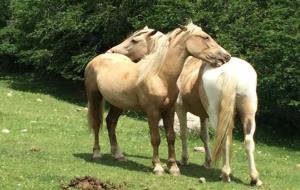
{"type": "Point", "coordinates": [205, 139]}
{"type": "Point", "coordinates": [111, 123]}
{"type": "Point", "coordinates": [247, 108]}
{"type": "Point", "coordinates": [95, 119]}
{"type": "Point", "coordinates": [181, 114]}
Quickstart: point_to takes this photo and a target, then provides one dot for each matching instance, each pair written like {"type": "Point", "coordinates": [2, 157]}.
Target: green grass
{"type": "Point", "coordinates": [59, 129]}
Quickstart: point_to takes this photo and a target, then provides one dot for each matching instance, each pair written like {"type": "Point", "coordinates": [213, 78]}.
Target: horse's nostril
{"type": "Point", "coordinates": [227, 57]}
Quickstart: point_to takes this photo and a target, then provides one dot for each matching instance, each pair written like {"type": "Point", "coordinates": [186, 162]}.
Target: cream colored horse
{"type": "Point", "coordinates": [202, 89]}
{"type": "Point", "coordinates": [149, 86]}
{"type": "Point", "coordinates": [217, 93]}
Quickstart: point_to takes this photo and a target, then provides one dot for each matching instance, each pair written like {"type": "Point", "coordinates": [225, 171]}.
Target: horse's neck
{"type": "Point", "coordinates": [173, 65]}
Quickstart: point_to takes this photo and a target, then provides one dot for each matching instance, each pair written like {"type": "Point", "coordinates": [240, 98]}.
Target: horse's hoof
{"type": "Point", "coordinates": [121, 159]}
{"type": "Point", "coordinates": [206, 165]}
{"type": "Point", "coordinates": [256, 182]}
{"type": "Point", "coordinates": [225, 178]}
{"type": "Point", "coordinates": [174, 170]}
{"type": "Point", "coordinates": [184, 162]}
{"type": "Point", "coordinates": [159, 173]}
{"type": "Point", "coordinates": [158, 170]}
{"type": "Point", "coordinates": [118, 155]}
{"type": "Point", "coordinates": [97, 156]}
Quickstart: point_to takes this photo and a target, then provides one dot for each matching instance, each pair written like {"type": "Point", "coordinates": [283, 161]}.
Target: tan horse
{"type": "Point", "coordinates": [136, 46]}
{"type": "Point", "coordinates": [216, 94]}
{"type": "Point", "coordinates": [149, 86]}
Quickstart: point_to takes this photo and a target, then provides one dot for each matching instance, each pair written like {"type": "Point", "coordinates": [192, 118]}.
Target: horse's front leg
{"type": "Point", "coordinates": [111, 123]}
{"type": "Point", "coordinates": [153, 118]}
{"type": "Point", "coordinates": [168, 119]}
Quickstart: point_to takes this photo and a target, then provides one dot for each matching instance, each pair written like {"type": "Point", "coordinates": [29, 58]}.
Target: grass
{"type": "Point", "coordinates": [52, 113]}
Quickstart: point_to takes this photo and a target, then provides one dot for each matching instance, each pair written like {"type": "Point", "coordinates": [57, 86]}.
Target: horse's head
{"type": "Point", "coordinates": [137, 45]}
{"type": "Point", "coordinates": [202, 46]}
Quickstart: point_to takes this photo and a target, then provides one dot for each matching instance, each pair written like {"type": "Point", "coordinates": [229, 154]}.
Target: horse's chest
{"type": "Point", "coordinates": [156, 93]}
{"type": "Point", "coordinates": [170, 98]}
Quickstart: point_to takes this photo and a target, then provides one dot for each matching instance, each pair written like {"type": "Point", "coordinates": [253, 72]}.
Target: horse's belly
{"type": "Point", "coordinates": [118, 87]}
{"type": "Point", "coordinates": [125, 102]}
{"type": "Point", "coordinates": [194, 106]}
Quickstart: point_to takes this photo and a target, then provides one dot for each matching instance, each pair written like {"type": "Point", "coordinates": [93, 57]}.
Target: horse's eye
{"type": "Point", "coordinates": [205, 37]}
{"type": "Point", "coordinates": [134, 40]}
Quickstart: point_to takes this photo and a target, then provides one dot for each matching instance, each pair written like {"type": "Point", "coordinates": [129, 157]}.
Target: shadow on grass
{"type": "Point", "coordinates": [108, 160]}
{"type": "Point", "coordinates": [61, 89]}
{"type": "Point", "coordinates": [57, 87]}
{"type": "Point", "coordinates": [191, 170]}
{"type": "Point", "coordinates": [195, 171]}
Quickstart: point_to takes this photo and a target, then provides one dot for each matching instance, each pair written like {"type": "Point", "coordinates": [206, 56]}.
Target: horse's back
{"type": "Point", "coordinates": [115, 77]}
{"type": "Point", "coordinates": [243, 75]}
{"type": "Point", "coordinates": [239, 69]}
{"type": "Point", "coordinates": [246, 76]}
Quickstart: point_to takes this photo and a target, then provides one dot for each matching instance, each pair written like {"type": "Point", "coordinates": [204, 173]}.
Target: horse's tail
{"type": "Point", "coordinates": [95, 111]}
{"type": "Point", "coordinates": [95, 99]}
{"type": "Point", "coordinates": [226, 113]}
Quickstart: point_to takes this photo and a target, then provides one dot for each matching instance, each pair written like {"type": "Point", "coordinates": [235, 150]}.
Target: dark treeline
{"type": "Point", "coordinates": [61, 36]}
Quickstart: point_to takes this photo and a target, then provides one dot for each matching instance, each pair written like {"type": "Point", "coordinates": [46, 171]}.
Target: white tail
{"type": "Point", "coordinates": [226, 115]}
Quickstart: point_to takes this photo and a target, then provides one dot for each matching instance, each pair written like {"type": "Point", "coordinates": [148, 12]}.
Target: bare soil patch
{"type": "Point", "coordinates": [90, 183]}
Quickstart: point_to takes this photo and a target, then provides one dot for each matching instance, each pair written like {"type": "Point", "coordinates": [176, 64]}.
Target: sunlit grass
{"type": "Point", "coordinates": [48, 117]}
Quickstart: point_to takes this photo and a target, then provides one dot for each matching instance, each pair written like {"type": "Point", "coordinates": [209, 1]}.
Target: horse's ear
{"type": "Point", "coordinates": [152, 33]}
{"type": "Point", "coordinates": [183, 28]}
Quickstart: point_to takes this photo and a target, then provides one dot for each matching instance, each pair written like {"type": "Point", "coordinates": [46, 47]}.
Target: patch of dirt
{"type": "Point", "coordinates": [90, 183]}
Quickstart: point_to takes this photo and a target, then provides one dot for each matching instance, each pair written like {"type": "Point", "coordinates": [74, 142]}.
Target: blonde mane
{"type": "Point", "coordinates": [153, 62]}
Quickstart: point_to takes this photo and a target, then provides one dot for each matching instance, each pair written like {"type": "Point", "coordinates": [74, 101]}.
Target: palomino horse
{"type": "Point", "coordinates": [136, 46]}
{"type": "Point", "coordinates": [202, 89]}
{"type": "Point", "coordinates": [149, 86]}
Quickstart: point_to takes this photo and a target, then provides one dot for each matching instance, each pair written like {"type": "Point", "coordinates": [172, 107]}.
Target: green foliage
{"type": "Point", "coordinates": [4, 12]}
{"type": "Point", "coordinates": [61, 36]}
{"type": "Point", "coordinates": [265, 33]}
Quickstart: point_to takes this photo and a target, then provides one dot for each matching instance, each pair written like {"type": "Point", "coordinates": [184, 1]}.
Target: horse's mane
{"type": "Point", "coordinates": [153, 62]}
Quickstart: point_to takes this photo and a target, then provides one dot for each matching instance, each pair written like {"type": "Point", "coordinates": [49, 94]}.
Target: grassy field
{"type": "Point", "coordinates": [49, 143]}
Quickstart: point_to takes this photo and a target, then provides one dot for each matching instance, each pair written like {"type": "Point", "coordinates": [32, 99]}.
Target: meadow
{"type": "Point", "coordinates": [47, 143]}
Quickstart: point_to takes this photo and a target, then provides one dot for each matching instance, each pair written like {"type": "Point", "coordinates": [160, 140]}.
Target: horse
{"type": "Point", "coordinates": [135, 47]}
{"type": "Point", "coordinates": [218, 94]}
{"type": "Point", "coordinates": [205, 92]}
{"type": "Point", "coordinates": [138, 44]}
{"type": "Point", "coordinates": [149, 86]}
